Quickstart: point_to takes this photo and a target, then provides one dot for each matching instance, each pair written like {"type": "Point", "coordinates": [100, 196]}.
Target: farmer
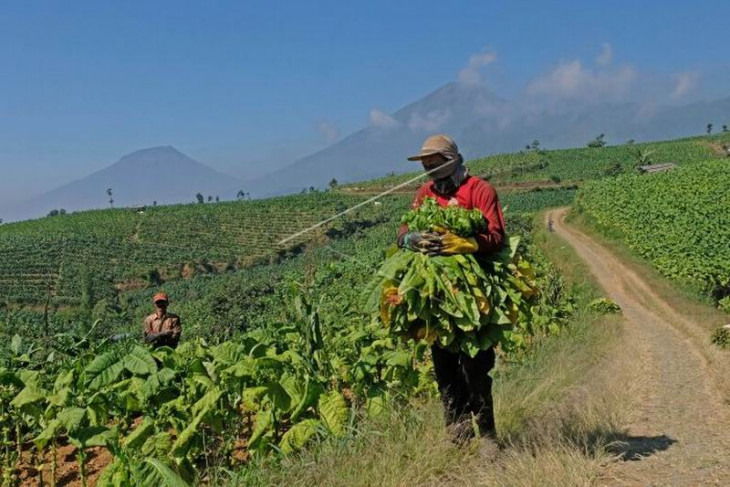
{"type": "Point", "coordinates": [464, 382]}
{"type": "Point", "coordinates": [162, 328]}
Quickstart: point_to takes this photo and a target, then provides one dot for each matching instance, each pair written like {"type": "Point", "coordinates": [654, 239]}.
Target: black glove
{"type": "Point", "coordinates": [424, 242]}
{"type": "Point", "coordinates": [153, 337]}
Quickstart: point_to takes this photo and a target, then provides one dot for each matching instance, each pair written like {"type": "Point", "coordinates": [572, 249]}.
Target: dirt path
{"type": "Point", "coordinates": [680, 432]}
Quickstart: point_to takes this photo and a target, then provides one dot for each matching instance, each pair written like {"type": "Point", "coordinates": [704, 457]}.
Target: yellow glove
{"type": "Point", "coordinates": [453, 244]}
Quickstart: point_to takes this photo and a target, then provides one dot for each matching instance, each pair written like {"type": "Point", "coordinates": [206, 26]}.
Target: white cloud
{"type": "Point", "coordinates": [683, 83]}
{"type": "Point", "coordinates": [429, 122]}
{"type": "Point", "coordinates": [471, 74]}
{"type": "Point", "coordinates": [381, 119]}
{"type": "Point", "coordinates": [328, 131]}
{"type": "Point", "coordinates": [573, 80]}
{"type": "Point", "coordinates": [605, 58]}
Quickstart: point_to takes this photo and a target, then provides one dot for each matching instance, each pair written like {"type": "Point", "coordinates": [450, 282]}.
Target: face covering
{"type": "Point", "coordinates": [449, 184]}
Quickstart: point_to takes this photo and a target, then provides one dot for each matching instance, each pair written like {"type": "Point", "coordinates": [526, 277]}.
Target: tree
{"type": "Point", "coordinates": [597, 142]}
{"type": "Point", "coordinates": [535, 145]}
{"type": "Point", "coordinates": [210, 198]}
{"type": "Point", "coordinates": [111, 197]}
{"type": "Point", "coordinates": [724, 128]}
{"type": "Point", "coordinates": [333, 183]}
{"type": "Point", "coordinates": [62, 211]}
{"type": "Point", "coordinates": [240, 195]}
{"type": "Point", "coordinates": [709, 129]}
{"type": "Point", "coordinates": [154, 203]}
{"type": "Point", "coordinates": [644, 157]}
{"type": "Point", "coordinates": [199, 198]}
{"type": "Point", "coordinates": [53, 213]}
{"type": "Point", "coordinates": [630, 142]}
{"type": "Point", "coordinates": [217, 199]}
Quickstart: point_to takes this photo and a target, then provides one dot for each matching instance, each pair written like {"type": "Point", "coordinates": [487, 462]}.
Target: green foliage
{"type": "Point", "coordinates": [429, 215]}
{"type": "Point", "coordinates": [678, 220]}
{"type": "Point", "coordinates": [463, 302]}
{"type": "Point", "coordinates": [604, 306]}
{"type": "Point", "coordinates": [721, 337]}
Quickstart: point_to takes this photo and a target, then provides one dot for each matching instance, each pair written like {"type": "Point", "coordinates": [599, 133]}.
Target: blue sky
{"type": "Point", "coordinates": [248, 86]}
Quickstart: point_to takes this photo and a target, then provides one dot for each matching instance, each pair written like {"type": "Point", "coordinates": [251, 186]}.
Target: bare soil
{"type": "Point", "coordinates": [679, 434]}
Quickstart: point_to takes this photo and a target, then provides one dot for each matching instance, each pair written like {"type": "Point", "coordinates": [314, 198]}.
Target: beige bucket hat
{"type": "Point", "coordinates": [438, 144]}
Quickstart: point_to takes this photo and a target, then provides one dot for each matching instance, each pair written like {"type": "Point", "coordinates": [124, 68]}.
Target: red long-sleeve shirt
{"type": "Point", "coordinates": [473, 193]}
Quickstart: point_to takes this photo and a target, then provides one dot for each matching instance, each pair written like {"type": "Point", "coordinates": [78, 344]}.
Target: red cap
{"type": "Point", "coordinates": [160, 297]}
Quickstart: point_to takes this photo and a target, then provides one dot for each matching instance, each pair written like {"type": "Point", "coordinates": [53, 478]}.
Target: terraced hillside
{"type": "Point", "coordinates": [120, 249]}
{"type": "Point", "coordinates": [128, 247]}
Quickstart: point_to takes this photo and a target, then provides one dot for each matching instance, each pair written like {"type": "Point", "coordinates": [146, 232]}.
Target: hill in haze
{"type": "Point", "coordinates": [161, 174]}
{"type": "Point", "coordinates": [483, 124]}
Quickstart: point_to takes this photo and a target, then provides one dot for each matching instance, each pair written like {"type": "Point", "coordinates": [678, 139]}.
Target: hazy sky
{"type": "Point", "coordinates": [247, 86]}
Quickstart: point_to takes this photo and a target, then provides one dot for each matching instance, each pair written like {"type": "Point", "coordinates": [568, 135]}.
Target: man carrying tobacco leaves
{"type": "Point", "coordinates": [464, 382]}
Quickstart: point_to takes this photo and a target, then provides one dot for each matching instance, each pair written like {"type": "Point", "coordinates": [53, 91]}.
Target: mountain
{"type": "Point", "coordinates": [482, 124]}
{"type": "Point", "coordinates": [161, 174]}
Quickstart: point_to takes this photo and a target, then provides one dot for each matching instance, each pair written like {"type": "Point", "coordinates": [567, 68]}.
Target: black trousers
{"type": "Point", "coordinates": [466, 387]}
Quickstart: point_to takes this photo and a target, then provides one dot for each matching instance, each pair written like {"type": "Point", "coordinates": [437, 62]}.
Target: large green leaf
{"type": "Point", "coordinates": [263, 425]}
{"type": "Point", "coordinates": [298, 435]}
{"type": "Point", "coordinates": [334, 412]}
{"type": "Point", "coordinates": [92, 436]}
{"type": "Point", "coordinates": [180, 447]}
{"type": "Point", "coordinates": [156, 474]}
{"type": "Point", "coordinates": [140, 361]}
{"type": "Point", "coordinates": [71, 418]}
{"type": "Point", "coordinates": [47, 435]}
{"type": "Point", "coordinates": [104, 370]}
{"type": "Point", "coordinates": [140, 434]}
{"type": "Point", "coordinates": [207, 402]}
{"type": "Point", "coordinates": [29, 395]}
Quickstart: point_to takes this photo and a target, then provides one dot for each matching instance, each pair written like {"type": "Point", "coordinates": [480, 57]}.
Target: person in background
{"type": "Point", "coordinates": [464, 382]}
{"type": "Point", "coordinates": [162, 328]}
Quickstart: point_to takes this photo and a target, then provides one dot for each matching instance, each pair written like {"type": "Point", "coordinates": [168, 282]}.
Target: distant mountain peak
{"type": "Point", "coordinates": [160, 174]}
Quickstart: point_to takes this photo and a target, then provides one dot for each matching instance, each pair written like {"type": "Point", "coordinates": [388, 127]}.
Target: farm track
{"type": "Point", "coordinates": [680, 430]}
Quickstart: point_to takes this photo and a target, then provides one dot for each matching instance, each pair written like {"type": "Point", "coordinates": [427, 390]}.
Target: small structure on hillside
{"type": "Point", "coordinates": [656, 167]}
{"type": "Point", "coordinates": [138, 209]}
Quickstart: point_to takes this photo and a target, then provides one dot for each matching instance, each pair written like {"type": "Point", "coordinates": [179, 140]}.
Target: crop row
{"type": "Point", "coordinates": [679, 220]}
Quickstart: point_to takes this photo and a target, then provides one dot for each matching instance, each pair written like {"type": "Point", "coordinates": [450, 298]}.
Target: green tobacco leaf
{"type": "Point", "coordinates": [264, 424]}
{"type": "Point", "coordinates": [298, 435]}
{"type": "Point", "coordinates": [29, 395]}
{"type": "Point", "coordinates": [103, 371]}
{"type": "Point", "coordinates": [140, 361]}
{"type": "Point", "coordinates": [278, 396]}
{"type": "Point", "coordinates": [156, 473]}
{"type": "Point", "coordinates": [16, 343]}
{"type": "Point", "coordinates": [334, 412]}
{"type": "Point", "coordinates": [310, 397]}
{"type": "Point", "coordinates": [207, 402]}
{"type": "Point", "coordinates": [140, 434]}
{"type": "Point", "coordinates": [92, 436]}
{"type": "Point", "coordinates": [47, 435]}
{"type": "Point", "coordinates": [71, 418]}
{"type": "Point", "coordinates": [180, 447]}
